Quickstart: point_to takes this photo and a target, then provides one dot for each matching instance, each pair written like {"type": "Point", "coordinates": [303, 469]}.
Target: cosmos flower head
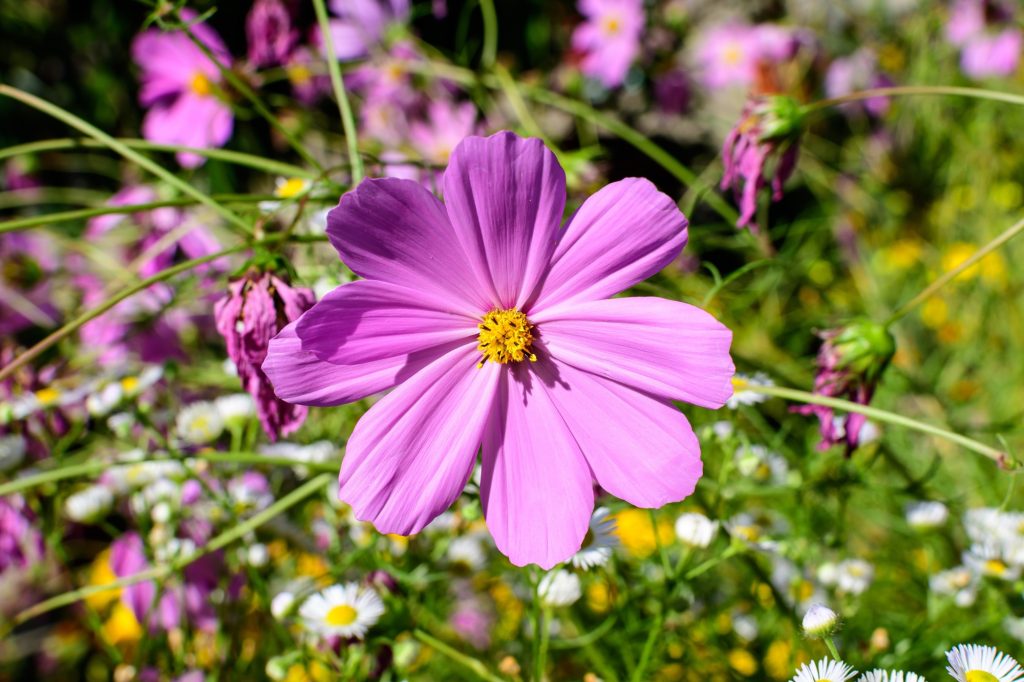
{"type": "Point", "coordinates": [737, 54]}
{"type": "Point", "coordinates": [984, 30]}
{"type": "Point", "coordinates": [180, 88]}
{"type": "Point", "coordinates": [494, 326]}
{"type": "Point", "coordinates": [609, 38]}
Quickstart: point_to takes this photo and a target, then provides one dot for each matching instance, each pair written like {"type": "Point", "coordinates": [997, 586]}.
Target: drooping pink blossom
{"type": "Point", "coordinates": [179, 87]}
{"type": "Point", "coordinates": [496, 329]}
{"type": "Point", "coordinates": [270, 34]}
{"type": "Point", "coordinates": [256, 308]}
{"type": "Point", "coordinates": [609, 38]}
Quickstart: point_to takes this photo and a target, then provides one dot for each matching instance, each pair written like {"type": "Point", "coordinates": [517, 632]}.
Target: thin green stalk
{"type": "Point", "coordinates": [128, 153]}
{"type": "Point", "coordinates": [226, 155]}
{"type": "Point", "coordinates": [999, 457]}
{"type": "Point", "coordinates": [545, 637]}
{"type": "Point", "coordinates": [158, 572]}
{"type": "Point", "coordinates": [347, 120]}
{"type": "Point", "coordinates": [95, 312]}
{"type": "Point", "coordinates": [904, 90]}
{"type": "Point", "coordinates": [535, 618]}
{"type": "Point", "coordinates": [645, 655]}
{"type": "Point", "coordinates": [467, 662]}
{"type": "Point", "coordinates": [490, 49]}
{"type": "Point", "coordinates": [665, 565]}
{"type": "Point", "coordinates": [243, 88]}
{"type": "Point", "coordinates": [1006, 236]}
{"type": "Point", "coordinates": [831, 645]}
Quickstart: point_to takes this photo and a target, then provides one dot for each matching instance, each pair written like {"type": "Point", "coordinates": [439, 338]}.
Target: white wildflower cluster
{"type": "Point", "coordinates": [105, 395]}
{"type": "Point", "coordinates": [742, 395]}
{"type": "Point", "coordinates": [851, 576]}
{"type": "Point", "coordinates": [758, 462]}
{"type": "Point", "coordinates": [966, 663]}
{"type": "Point", "coordinates": [319, 452]}
{"type": "Point", "coordinates": [996, 552]}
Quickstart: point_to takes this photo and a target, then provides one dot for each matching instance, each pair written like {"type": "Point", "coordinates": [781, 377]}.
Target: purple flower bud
{"type": "Point", "coordinates": [256, 308]}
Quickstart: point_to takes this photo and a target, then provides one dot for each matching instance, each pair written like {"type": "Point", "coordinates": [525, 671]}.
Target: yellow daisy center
{"type": "Point", "coordinates": [995, 567]}
{"type": "Point", "coordinates": [130, 383]}
{"type": "Point", "coordinates": [505, 336]}
{"type": "Point", "coordinates": [290, 188]}
{"type": "Point", "coordinates": [340, 616]}
{"type": "Point", "coordinates": [299, 74]}
{"type": "Point", "coordinates": [201, 85]}
{"type": "Point", "coordinates": [981, 676]}
{"type": "Point", "coordinates": [48, 396]}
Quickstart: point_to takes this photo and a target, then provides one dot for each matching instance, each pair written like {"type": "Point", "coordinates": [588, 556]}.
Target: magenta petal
{"type": "Point", "coordinates": [640, 449]}
{"type": "Point", "coordinates": [367, 320]}
{"type": "Point", "coordinates": [299, 376]}
{"type": "Point", "coordinates": [621, 235]}
{"type": "Point", "coordinates": [411, 454]}
{"type": "Point", "coordinates": [663, 347]}
{"type": "Point", "coordinates": [505, 196]}
{"type": "Point", "coordinates": [536, 489]}
{"type": "Point", "coordinates": [396, 231]}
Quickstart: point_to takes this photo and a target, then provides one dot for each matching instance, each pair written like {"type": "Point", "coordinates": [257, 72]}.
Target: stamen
{"type": "Point", "coordinates": [505, 336]}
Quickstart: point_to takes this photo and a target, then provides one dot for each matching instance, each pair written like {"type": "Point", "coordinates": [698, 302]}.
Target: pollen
{"type": "Point", "coordinates": [201, 85]}
{"type": "Point", "coordinates": [505, 336]}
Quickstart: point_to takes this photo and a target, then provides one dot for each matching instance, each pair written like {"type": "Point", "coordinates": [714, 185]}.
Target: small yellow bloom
{"type": "Point", "coordinates": [742, 662]}
{"type": "Point", "coordinates": [776, 659]}
{"type": "Point", "coordinates": [903, 254]}
{"type": "Point", "coordinates": [599, 597]}
{"type": "Point", "coordinates": [291, 187]}
{"type": "Point", "coordinates": [934, 312]}
{"type": "Point", "coordinates": [121, 627]}
{"type": "Point", "coordinates": [636, 532]}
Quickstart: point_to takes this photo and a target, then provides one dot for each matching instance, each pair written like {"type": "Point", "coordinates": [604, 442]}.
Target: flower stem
{"type": "Point", "coordinates": [904, 90]}
{"type": "Point", "coordinates": [999, 457]}
{"type": "Point", "coordinates": [645, 655]}
{"type": "Point", "coordinates": [831, 645]}
{"type": "Point", "coordinates": [161, 571]}
{"type": "Point", "coordinates": [125, 151]}
{"type": "Point", "coordinates": [490, 48]}
{"type": "Point", "coordinates": [226, 155]}
{"type": "Point", "coordinates": [469, 663]}
{"type": "Point", "coordinates": [1008, 234]}
{"type": "Point", "coordinates": [665, 565]}
{"type": "Point", "coordinates": [545, 638]}
{"type": "Point", "coordinates": [345, 109]}
{"type": "Point", "coordinates": [239, 85]}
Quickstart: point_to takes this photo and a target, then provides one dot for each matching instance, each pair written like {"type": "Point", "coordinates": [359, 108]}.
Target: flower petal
{"type": "Point", "coordinates": [663, 347]}
{"type": "Point", "coordinates": [621, 235]}
{"type": "Point", "coordinates": [369, 320]}
{"type": "Point", "coordinates": [411, 454]}
{"type": "Point", "coordinates": [640, 449]}
{"type": "Point", "coordinates": [536, 489]}
{"type": "Point", "coordinates": [505, 196]}
{"type": "Point", "coordinates": [300, 377]}
{"type": "Point", "coordinates": [396, 231]}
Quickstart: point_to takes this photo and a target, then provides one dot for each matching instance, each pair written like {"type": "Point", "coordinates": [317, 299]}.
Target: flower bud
{"type": "Point", "coordinates": [820, 621]}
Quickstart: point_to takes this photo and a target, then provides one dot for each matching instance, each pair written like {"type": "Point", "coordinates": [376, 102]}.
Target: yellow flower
{"type": "Point", "coordinates": [776, 659]}
{"type": "Point", "coordinates": [934, 312]}
{"type": "Point", "coordinates": [100, 573]}
{"type": "Point", "coordinates": [742, 662]}
{"type": "Point", "coordinates": [122, 627]}
{"type": "Point", "coordinates": [903, 254]}
{"type": "Point", "coordinates": [599, 597]}
{"type": "Point", "coordinates": [636, 532]}
{"type": "Point", "coordinates": [991, 268]}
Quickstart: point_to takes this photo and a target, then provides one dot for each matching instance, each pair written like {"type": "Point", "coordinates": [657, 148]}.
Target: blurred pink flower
{"type": "Point", "coordinates": [179, 88]}
{"type": "Point", "coordinates": [269, 31]}
{"type": "Point", "coordinates": [858, 71]}
{"type": "Point", "coordinates": [361, 25]}
{"type": "Point", "coordinates": [990, 44]}
{"type": "Point", "coordinates": [732, 54]}
{"type": "Point", "coordinates": [496, 328]}
{"type": "Point", "coordinates": [256, 308]}
{"type": "Point", "coordinates": [609, 37]}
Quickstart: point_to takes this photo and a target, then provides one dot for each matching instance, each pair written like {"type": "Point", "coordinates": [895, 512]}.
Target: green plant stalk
{"type": "Point", "coordinates": [1008, 234]}
{"type": "Point", "coordinates": [348, 123]}
{"type": "Point", "coordinates": [831, 646]}
{"type": "Point", "coordinates": [158, 572]}
{"type": "Point", "coordinates": [665, 565]}
{"type": "Point", "coordinates": [545, 638]}
{"type": "Point", "coordinates": [226, 155]}
{"type": "Point", "coordinates": [247, 92]}
{"type": "Point", "coordinates": [467, 662]}
{"type": "Point", "coordinates": [490, 47]}
{"type": "Point", "coordinates": [906, 90]}
{"type": "Point", "coordinates": [999, 457]}
{"type": "Point", "coordinates": [128, 153]}
{"type": "Point", "coordinates": [645, 654]}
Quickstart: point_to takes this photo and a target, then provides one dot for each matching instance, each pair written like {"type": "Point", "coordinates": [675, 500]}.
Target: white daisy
{"type": "Point", "coordinates": [467, 550]}
{"type": "Point", "coordinates": [199, 423]}
{"type": "Point", "coordinates": [89, 504]}
{"type": "Point", "coordinates": [989, 560]}
{"type": "Point", "coordinates": [559, 588]}
{"type": "Point", "coordinates": [825, 670]}
{"type": "Point", "coordinates": [599, 541]}
{"type": "Point", "coordinates": [879, 675]}
{"type": "Point", "coordinates": [854, 576]}
{"type": "Point", "coordinates": [960, 583]}
{"type": "Point", "coordinates": [926, 515]}
{"type": "Point", "coordinates": [347, 610]}
{"type": "Point", "coordinates": [281, 605]}
{"type": "Point", "coordinates": [236, 408]}
{"type": "Point", "coordinates": [760, 463]}
{"type": "Point", "coordinates": [696, 530]}
{"type": "Point", "coordinates": [741, 395]}
{"type": "Point", "coordinates": [975, 663]}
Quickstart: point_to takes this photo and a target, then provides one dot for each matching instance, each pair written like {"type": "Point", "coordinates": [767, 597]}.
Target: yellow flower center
{"type": "Point", "coordinates": [341, 615]}
{"type": "Point", "coordinates": [298, 74]}
{"type": "Point", "coordinates": [505, 336]}
{"type": "Point", "coordinates": [201, 85]}
{"type": "Point", "coordinates": [130, 383]}
{"type": "Point", "coordinates": [612, 25]}
{"type": "Point", "coordinates": [995, 567]}
{"type": "Point", "coordinates": [47, 396]}
{"type": "Point", "coordinates": [291, 188]}
{"type": "Point", "coordinates": [981, 676]}
{"type": "Point", "coordinates": [732, 55]}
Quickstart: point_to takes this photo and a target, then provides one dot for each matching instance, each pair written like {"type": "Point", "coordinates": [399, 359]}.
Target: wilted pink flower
{"type": "Point", "coordinates": [270, 33]}
{"type": "Point", "coordinates": [256, 308]}
{"type": "Point", "coordinates": [609, 38]}
{"type": "Point", "coordinates": [496, 329]}
{"type": "Point", "coordinates": [760, 151]}
{"type": "Point", "coordinates": [850, 363]}
{"type": "Point", "coordinates": [179, 87]}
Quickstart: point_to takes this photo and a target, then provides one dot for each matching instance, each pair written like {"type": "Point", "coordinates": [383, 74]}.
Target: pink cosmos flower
{"type": "Point", "coordinates": [178, 86]}
{"type": "Point", "coordinates": [256, 308]}
{"type": "Point", "coordinates": [609, 38]}
{"type": "Point", "coordinates": [361, 25]}
{"type": "Point", "coordinates": [732, 54]}
{"type": "Point", "coordinates": [989, 43]}
{"type": "Point", "coordinates": [269, 31]}
{"type": "Point", "coordinates": [496, 328]}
